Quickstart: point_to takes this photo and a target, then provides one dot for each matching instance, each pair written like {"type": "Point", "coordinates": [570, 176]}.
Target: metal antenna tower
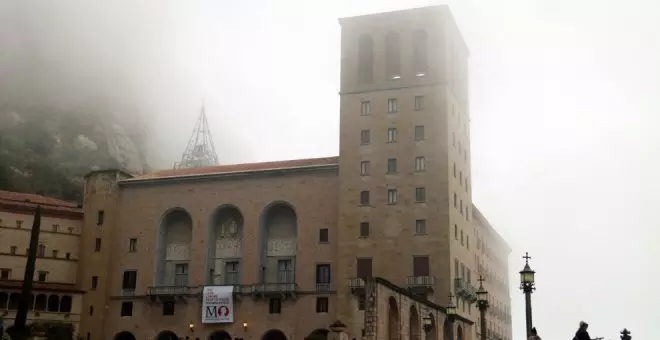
{"type": "Point", "coordinates": [200, 150]}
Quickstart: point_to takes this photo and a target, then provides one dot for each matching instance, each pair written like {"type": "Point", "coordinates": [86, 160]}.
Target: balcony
{"type": "Point", "coordinates": [171, 292]}
{"type": "Point", "coordinates": [127, 292]}
{"type": "Point", "coordinates": [323, 287]}
{"type": "Point", "coordinates": [465, 290]}
{"type": "Point", "coordinates": [356, 285]}
{"type": "Point", "coordinates": [420, 284]}
{"type": "Point", "coordinates": [284, 290]}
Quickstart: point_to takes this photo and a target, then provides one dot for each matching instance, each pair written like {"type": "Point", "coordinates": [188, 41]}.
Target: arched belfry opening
{"type": "Point", "coordinates": [173, 248]}
{"type": "Point", "coordinates": [420, 53]}
{"type": "Point", "coordinates": [365, 58]}
{"type": "Point", "coordinates": [279, 242]}
{"type": "Point", "coordinates": [225, 246]}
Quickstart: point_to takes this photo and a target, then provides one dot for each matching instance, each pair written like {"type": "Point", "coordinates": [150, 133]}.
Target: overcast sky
{"type": "Point", "coordinates": [564, 103]}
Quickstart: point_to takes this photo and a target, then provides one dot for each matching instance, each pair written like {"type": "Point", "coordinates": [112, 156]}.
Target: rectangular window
{"type": "Point", "coordinates": [391, 166]}
{"type": "Point", "coordinates": [392, 106]}
{"type": "Point", "coordinates": [420, 195]}
{"type": "Point", "coordinates": [457, 268]}
{"type": "Point", "coordinates": [285, 271]}
{"type": "Point", "coordinates": [460, 177]}
{"type": "Point", "coordinates": [391, 135]}
{"type": "Point", "coordinates": [363, 268]}
{"type": "Point", "coordinates": [42, 276]}
{"type": "Point", "coordinates": [12, 250]}
{"type": "Point", "coordinates": [420, 164]}
{"type": "Point", "coordinates": [97, 244]}
{"type": "Point", "coordinates": [95, 282]}
{"type": "Point", "coordinates": [129, 279]}
{"type": "Point", "coordinates": [55, 227]}
{"type": "Point", "coordinates": [365, 137]}
{"type": "Point", "coordinates": [421, 266]}
{"type": "Point", "coordinates": [55, 252]}
{"type": "Point", "coordinates": [232, 273]}
{"type": "Point", "coordinates": [322, 304]}
{"type": "Point", "coordinates": [323, 235]}
{"type": "Point", "coordinates": [364, 229]}
{"type": "Point", "coordinates": [364, 197]}
{"type": "Point", "coordinates": [469, 276]}
{"type": "Point", "coordinates": [419, 132]}
{"type": "Point", "coordinates": [467, 241]}
{"type": "Point", "coordinates": [467, 213]}
{"type": "Point", "coordinates": [132, 245]}
{"type": "Point", "coordinates": [5, 274]}
{"type": "Point", "coordinates": [91, 312]}
{"type": "Point", "coordinates": [420, 227]}
{"type": "Point", "coordinates": [67, 256]}
{"type": "Point", "coordinates": [127, 308]}
{"type": "Point", "coordinates": [462, 238]}
{"type": "Point", "coordinates": [365, 108]}
{"type": "Point", "coordinates": [461, 207]}
{"type": "Point", "coordinates": [168, 308]}
{"type": "Point", "coordinates": [100, 217]}
{"type": "Point", "coordinates": [365, 168]}
{"type": "Point", "coordinates": [362, 301]}
{"type": "Point", "coordinates": [419, 102]}
{"type": "Point", "coordinates": [391, 196]}
{"type": "Point", "coordinates": [275, 306]}
{"type": "Point", "coordinates": [323, 276]}
{"type": "Point", "coordinates": [455, 203]}
{"type": "Point", "coordinates": [181, 275]}
{"type": "Point", "coordinates": [41, 250]}
{"type": "Point", "coordinates": [19, 224]}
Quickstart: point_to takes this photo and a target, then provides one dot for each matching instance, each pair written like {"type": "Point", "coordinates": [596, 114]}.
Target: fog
{"type": "Point", "coordinates": [564, 108]}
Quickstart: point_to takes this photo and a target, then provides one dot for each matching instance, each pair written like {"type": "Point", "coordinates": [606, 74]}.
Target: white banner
{"type": "Point", "coordinates": [218, 304]}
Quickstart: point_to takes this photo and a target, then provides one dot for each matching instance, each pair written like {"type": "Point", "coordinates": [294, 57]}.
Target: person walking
{"type": "Point", "coordinates": [534, 335]}
{"type": "Point", "coordinates": [582, 333]}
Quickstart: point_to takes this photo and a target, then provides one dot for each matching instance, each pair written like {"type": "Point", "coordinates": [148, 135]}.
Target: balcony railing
{"type": "Point", "coordinates": [420, 281]}
{"type": "Point", "coordinates": [169, 290]}
{"type": "Point", "coordinates": [127, 292]}
{"type": "Point", "coordinates": [323, 287]}
{"type": "Point", "coordinates": [289, 287]}
{"type": "Point", "coordinates": [356, 283]}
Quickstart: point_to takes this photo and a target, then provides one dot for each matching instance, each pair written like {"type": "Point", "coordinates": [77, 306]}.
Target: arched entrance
{"type": "Point", "coordinates": [459, 333]}
{"type": "Point", "coordinates": [274, 334]}
{"type": "Point", "coordinates": [413, 324]}
{"type": "Point", "coordinates": [393, 329]}
{"type": "Point", "coordinates": [432, 330]}
{"type": "Point", "coordinates": [219, 335]}
{"type": "Point", "coordinates": [124, 336]}
{"type": "Point", "coordinates": [167, 335]}
{"type": "Point", "coordinates": [446, 328]}
{"type": "Point", "coordinates": [318, 334]}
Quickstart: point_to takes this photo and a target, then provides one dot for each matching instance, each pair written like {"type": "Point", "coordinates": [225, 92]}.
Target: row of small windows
{"type": "Point", "coordinates": [55, 228]}
{"type": "Point", "coordinates": [41, 252]}
{"type": "Point", "coordinates": [365, 228]}
{"type": "Point", "coordinates": [392, 56]}
{"type": "Point", "coordinates": [5, 274]}
{"type": "Point", "coordinates": [458, 204]}
{"type": "Point", "coordinates": [392, 135]}
{"type": "Point", "coordinates": [392, 105]}
{"type": "Point", "coordinates": [393, 196]}
{"type": "Point", "coordinates": [465, 184]}
{"type": "Point", "coordinates": [393, 166]}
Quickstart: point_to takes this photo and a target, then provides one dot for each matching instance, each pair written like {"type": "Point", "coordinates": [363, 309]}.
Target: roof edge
{"type": "Point", "coordinates": [94, 172]}
{"type": "Point", "coordinates": [484, 221]}
{"type": "Point", "coordinates": [213, 175]}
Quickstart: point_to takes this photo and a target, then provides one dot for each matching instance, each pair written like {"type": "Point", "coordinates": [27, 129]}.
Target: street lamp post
{"type": "Point", "coordinates": [482, 303]}
{"type": "Point", "coordinates": [527, 286]}
{"type": "Point", "coordinates": [451, 315]}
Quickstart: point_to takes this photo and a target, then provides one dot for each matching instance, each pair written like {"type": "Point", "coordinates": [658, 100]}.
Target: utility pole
{"type": "Point", "coordinates": [19, 331]}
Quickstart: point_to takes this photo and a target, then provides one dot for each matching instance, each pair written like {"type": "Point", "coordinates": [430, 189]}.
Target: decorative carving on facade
{"type": "Point", "coordinates": [281, 247]}
{"type": "Point", "coordinates": [227, 247]}
{"type": "Point", "coordinates": [177, 252]}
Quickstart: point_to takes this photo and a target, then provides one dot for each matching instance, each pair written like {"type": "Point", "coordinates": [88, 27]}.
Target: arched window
{"type": "Point", "coordinates": [420, 53]}
{"type": "Point", "coordinates": [393, 55]}
{"type": "Point", "coordinates": [365, 59]}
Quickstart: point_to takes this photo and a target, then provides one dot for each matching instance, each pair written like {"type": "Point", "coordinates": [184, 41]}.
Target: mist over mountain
{"type": "Point", "coordinates": [89, 84]}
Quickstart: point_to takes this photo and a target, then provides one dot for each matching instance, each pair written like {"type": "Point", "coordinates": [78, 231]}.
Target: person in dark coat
{"type": "Point", "coordinates": [582, 333]}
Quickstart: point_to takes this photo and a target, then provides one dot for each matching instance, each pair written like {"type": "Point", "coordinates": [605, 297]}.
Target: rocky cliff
{"type": "Point", "coordinates": [47, 150]}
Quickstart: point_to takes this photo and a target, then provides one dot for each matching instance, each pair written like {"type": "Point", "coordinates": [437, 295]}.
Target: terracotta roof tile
{"type": "Point", "coordinates": [237, 168]}
{"type": "Point", "coordinates": [20, 197]}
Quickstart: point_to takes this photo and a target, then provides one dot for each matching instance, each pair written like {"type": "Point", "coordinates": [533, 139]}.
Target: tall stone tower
{"type": "Point", "coordinates": [404, 154]}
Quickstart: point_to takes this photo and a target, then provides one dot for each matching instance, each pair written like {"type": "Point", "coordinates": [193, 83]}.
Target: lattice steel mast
{"type": "Point", "coordinates": [200, 150]}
